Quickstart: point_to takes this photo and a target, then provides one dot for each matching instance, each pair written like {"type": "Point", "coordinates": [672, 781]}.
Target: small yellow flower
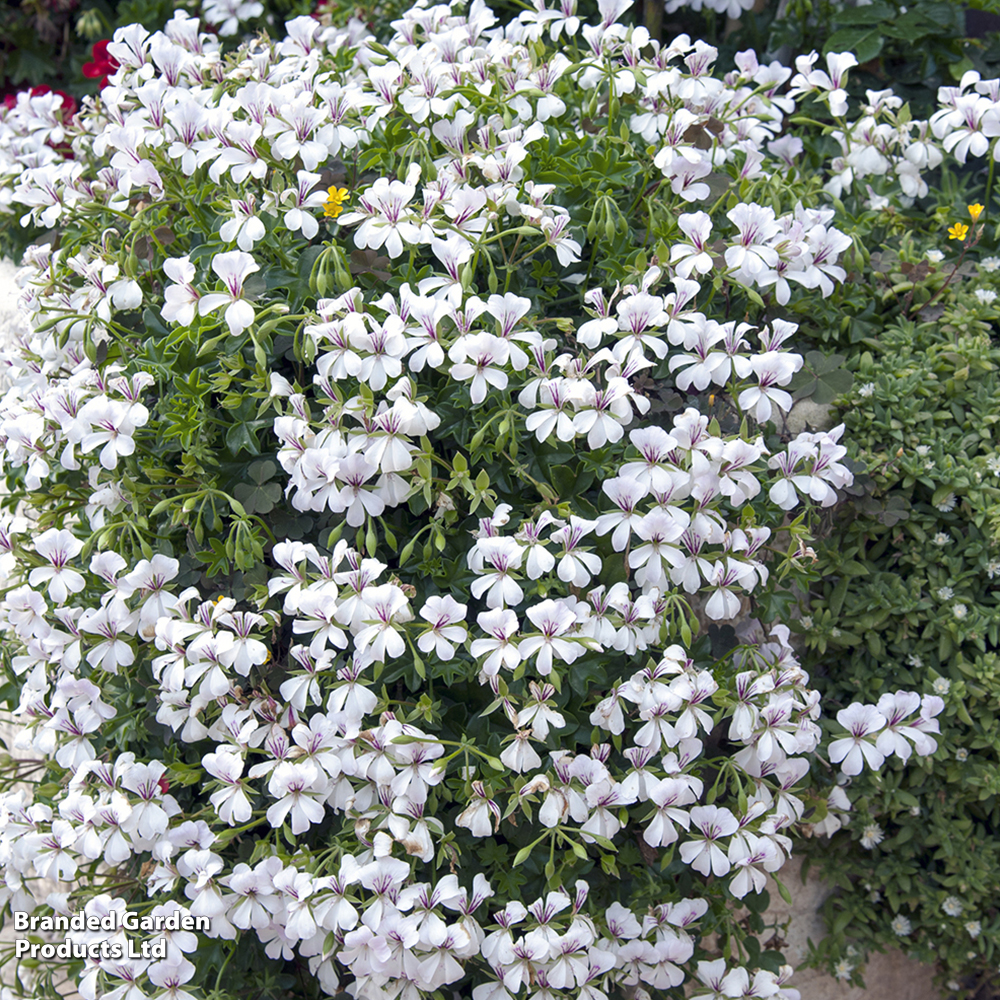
{"type": "Point", "coordinates": [975, 211]}
{"type": "Point", "coordinates": [334, 202]}
{"type": "Point", "coordinates": [958, 231]}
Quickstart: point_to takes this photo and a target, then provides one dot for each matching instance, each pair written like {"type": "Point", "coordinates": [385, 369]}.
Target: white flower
{"type": "Point", "coordinates": [942, 685]}
{"type": "Point", "coordinates": [986, 295]}
{"type": "Point", "coordinates": [443, 614]}
{"type": "Point", "coordinates": [843, 969]}
{"type": "Point", "coordinates": [233, 268]}
{"type": "Point", "coordinates": [299, 789]}
{"type": "Point", "coordinates": [871, 836]}
{"type": "Point", "coordinates": [386, 610]}
{"type": "Point", "coordinates": [59, 546]}
{"type": "Point", "coordinates": [480, 814]}
{"type": "Point", "coordinates": [945, 593]}
{"type": "Point", "coordinates": [181, 297]}
{"type": "Point", "coordinates": [227, 14]}
{"type": "Point", "coordinates": [245, 228]}
{"type": "Point", "coordinates": [552, 619]}
{"type": "Point", "coordinates": [901, 926]}
{"type": "Point", "coordinates": [112, 425]}
{"type": "Point", "coordinates": [961, 755]}
{"type": "Point", "coordinates": [935, 256]}
{"type": "Point", "coordinates": [231, 802]}
{"type": "Point", "coordinates": [942, 538]}
{"type": "Point", "coordinates": [952, 906]}
{"type": "Point", "coordinates": [385, 218]}
{"type": "Point", "coordinates": [704, 854]}
{"type": "Point", "coordinates": [947, 504]}
{"type": "Point", "coordinates": [990, 264]}
{"type": "Point", "coordinates": [480, 357]}
{"type": "Point", "coordinates": [501, 557]}
{"type": "Point", "coordinates": [959, 610]}
{"type": "Point", "coordinates": [502, 626]}
{"type": "Point", "coordinates": [866, 390]}
{"type": "Point", "coordinates": [863, 721]}
{"type": "Point", "coordinates": [520, 756]}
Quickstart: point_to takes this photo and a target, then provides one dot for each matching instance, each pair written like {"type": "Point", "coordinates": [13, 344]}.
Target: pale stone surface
{"type": "Point", "coordinates": [889, 976]}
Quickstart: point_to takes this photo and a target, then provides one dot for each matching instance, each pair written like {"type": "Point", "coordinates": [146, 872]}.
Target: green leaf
{"type": "Point", "coordinates": [783, 890]}
{"type": "Point", "coordinates": [865, 43]}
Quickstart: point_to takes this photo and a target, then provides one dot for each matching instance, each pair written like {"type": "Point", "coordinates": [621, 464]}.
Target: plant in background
{"type": "Point", "coordinates": [917, 47]}
{"type": "Point", "coordinates": [908, 600]}
{"type": "Point", "coordinates": [447, 701]}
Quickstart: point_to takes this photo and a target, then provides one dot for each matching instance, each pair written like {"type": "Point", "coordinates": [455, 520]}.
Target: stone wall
{"type": "Point", "coordinates": [888, 976]}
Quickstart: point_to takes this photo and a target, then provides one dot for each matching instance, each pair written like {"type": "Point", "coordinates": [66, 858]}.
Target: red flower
{"type": "Point", "coordinates": [164, 784]}
{"type": "Point", "coordinates": [102, 66]}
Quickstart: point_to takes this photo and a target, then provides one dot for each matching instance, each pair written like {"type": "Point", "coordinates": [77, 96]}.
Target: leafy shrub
{"type": "Point", "coordinates": [49, 43]}
{"type": "Point", "coordinates": [354, 336]}
{"type": "Point", "coordinates": [908, 599]}
{"type": "Point", "coordinates": [916, 47]}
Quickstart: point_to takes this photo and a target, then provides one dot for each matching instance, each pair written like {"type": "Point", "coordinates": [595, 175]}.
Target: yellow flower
{"type": "Point", "coordinates": [958, 231]}
{"type": "Point", "coordinates": [334, 202]}
{"type": "Point", "coordinates": [975, 211]}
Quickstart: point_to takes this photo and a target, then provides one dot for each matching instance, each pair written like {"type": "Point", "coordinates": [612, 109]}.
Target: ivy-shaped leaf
{"type": "Point", "coordinates": [259, 495]}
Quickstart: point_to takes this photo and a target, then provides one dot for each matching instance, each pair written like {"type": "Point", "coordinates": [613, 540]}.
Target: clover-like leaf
{"type": "Point", "coordinates": [259, 495]}
{"type": "Point", "coordinates": [369, 262]}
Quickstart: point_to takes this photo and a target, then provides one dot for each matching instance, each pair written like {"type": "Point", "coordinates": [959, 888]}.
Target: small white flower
{"type": "Point", "coordinates": [948, 503]}
{"type": "Point", "coordinates": [942, 686]}
{"type": "Point", "coordinates": [901, 926]}
{"type": "Point", "coordinates": [961, 755]}
{"type": "Point", "coordinates": [992, 568]}
{"type": "Point", "coordinates": [843, 969]}
{"type": "Point", "coordinates": [945, 593]}
{"type": "Point", "coordinates": [806, 621]}
{"type": "Point", "coordinates": [989, 264]}
{"type": "Point", "coordinates": [934, 256]}
{"type": "Point", "coordinates": [871, 836]}
{"type": "Point", "coordinates": [914, 661]}
{"type": "Point", "coordinates": [952, 906]}
{"type": "Point", "coordinates": [959, 611]}
{"type": "Point", "coordinates": [974, 927]}
{"type": "Point", "coordinates": [986, 295]}
{"type": "Point", "coordinates": [867, 389]}
{"type": "Point", "coordinates": [942, 538]}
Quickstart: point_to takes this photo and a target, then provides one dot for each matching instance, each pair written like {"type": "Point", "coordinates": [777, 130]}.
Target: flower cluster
{"type": "Point", "coordinates": [365, 258]}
